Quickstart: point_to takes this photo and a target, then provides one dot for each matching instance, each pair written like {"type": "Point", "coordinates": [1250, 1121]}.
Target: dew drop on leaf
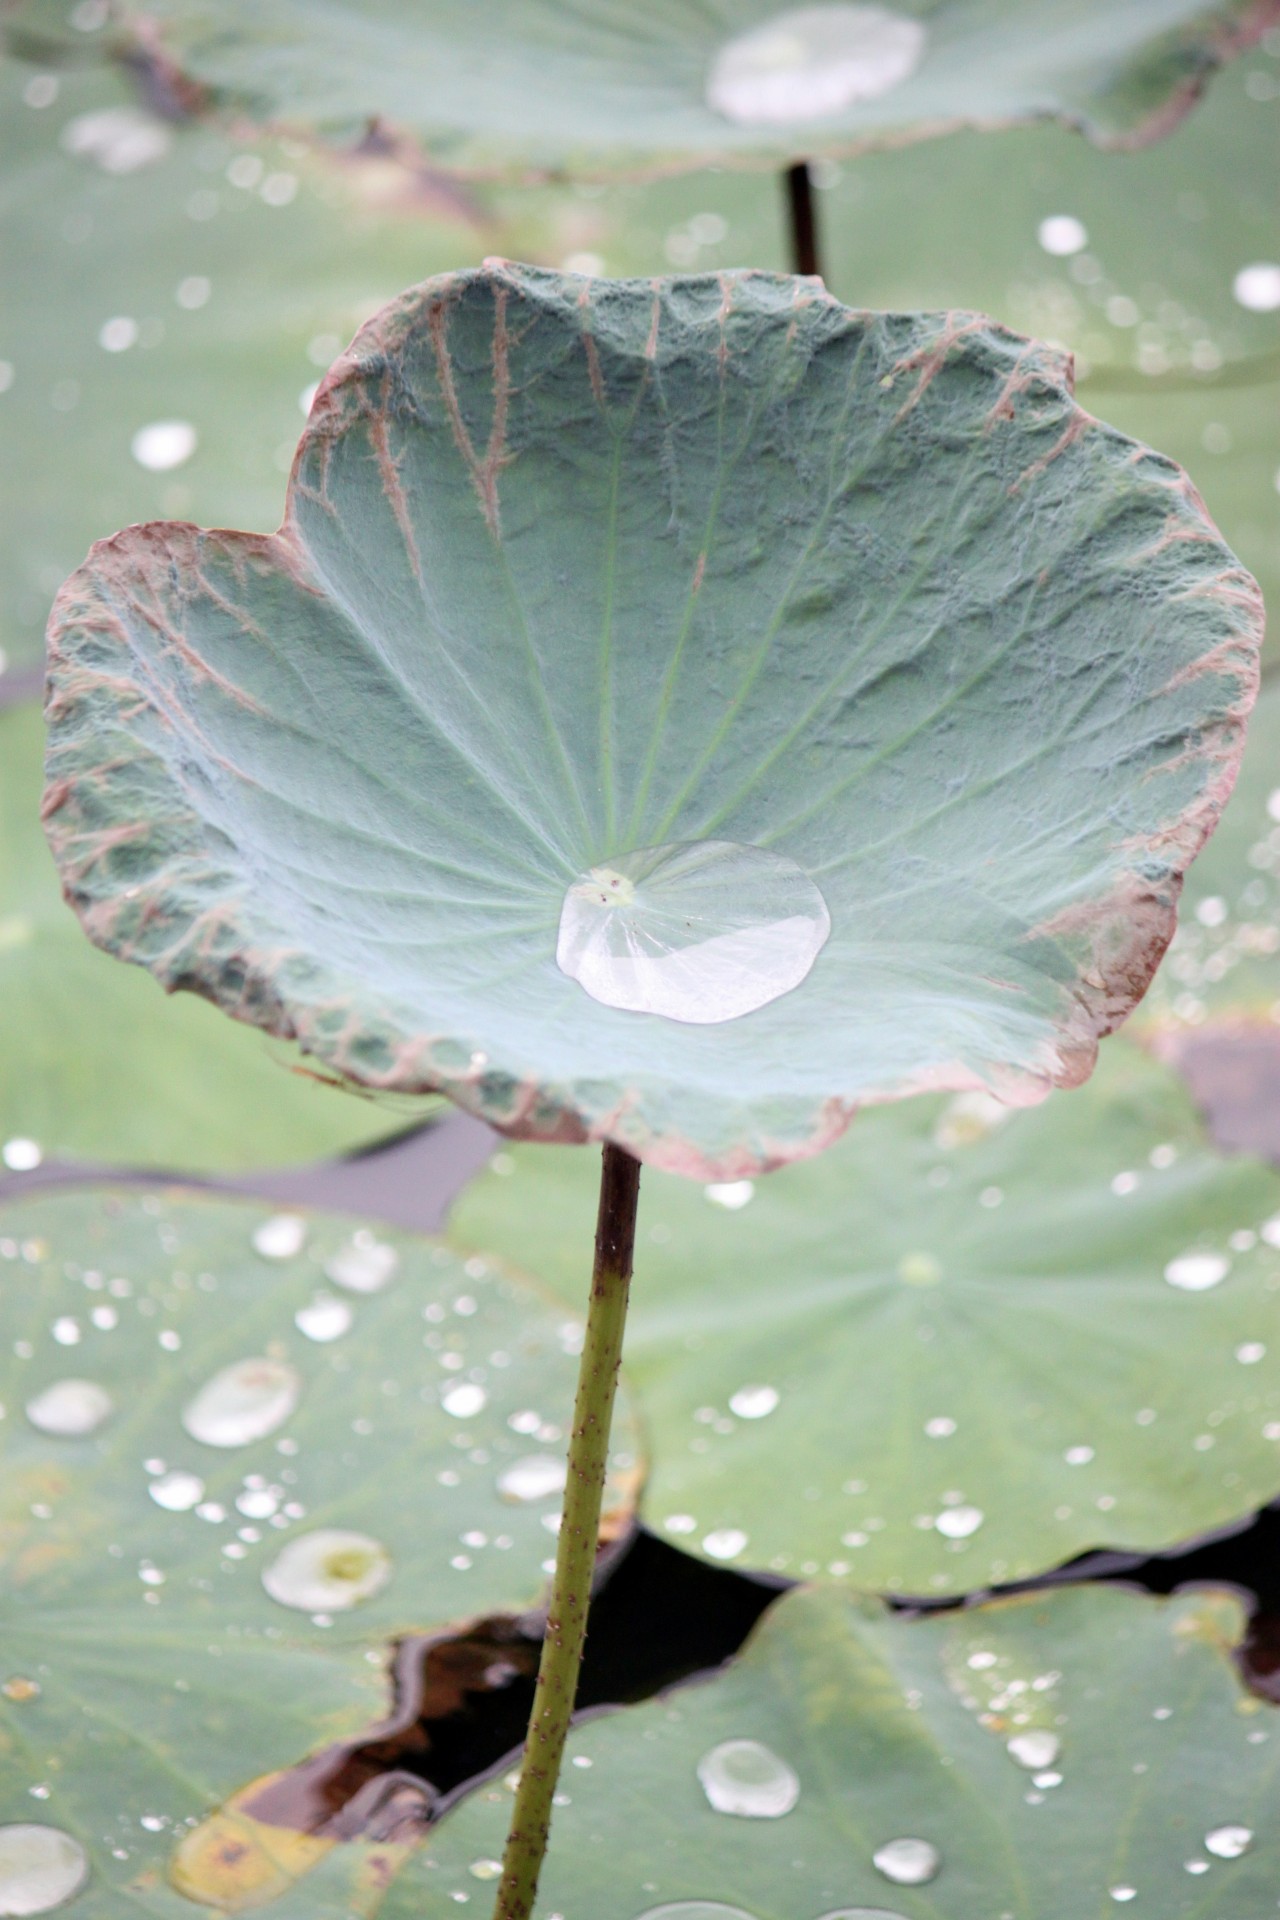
{"type": "Point", "coordinates": [1228, 1843]}
{"type": "Point", "coordinates": [1034, 1749]}
{"type": "Point", "coordinates": [464, 1400]}
{"type": "Point", "coordinates": [536, 1477]}
{"type": "Point", "coordinates": [323, 1318]}
{"type": "Point", "coordinates": [809, 62]}
{"type": "Point", "coordinates": [40, 1867]}
{"type": "Point", "coordinates": [364, 1265]}
{"type": "Point", "coordinates": [907, 1862]}
{"type": "Point", "coordinates": [280, 1237]}
{"type": "Point", "coordinates": [70, 1408]}
{"type": "Point", "coordinates": [700, 932]}
{"type": "Point", "coordinates": [746, 1778]}
{"type": "Point", "coordinates": [245, 1402]}
{"type": "Point", "coordinates": [753, 1403]}
{"type": "Point", "coordinates": [177, 1492]}
{"type": "Point", "coordinates": [328, 1571]}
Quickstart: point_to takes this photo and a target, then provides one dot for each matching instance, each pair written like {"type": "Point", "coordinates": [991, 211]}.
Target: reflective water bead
{"type": "Point", "coordinates": [732, 1195]}
{"type": "Point", "coordinates": [177, 1492]}
{"type": "Point", "coordinates": [464, 1400]}
{"type": "Point", "coordinates": [746, 1778]}
{"type": "Point", "coordinates": [753, 1403]}
{"type": "Point", "coordinates": [907, 1862]}
{"type": "Point", "coordinates": [485, 1869]}
{"type": "Point", "coordinates": [957, 1523]}
{"type": "Point", "coordinates": [280, 1237]}
{"type": "Point", "coordinates": [1034, 1749]}
{"type": "Point", "coordinates": [163, 445]}
{"type": "Point", "coordinates": [21, 1155]}
{"type": "Point", "coordinates": [70, 1408]}
{"type": "Point", "coordinates": [694, 1910]}
{"type": "Point", "coordinates": [40, 1867]}
{"type": "Point", "coordinates": [1062, 234]}
{"type": "Point", "coordinates": [810, 62]}
{"type": "Point", "coordinates": [699, 933]}
{"type": "Point", "coordinates": [536, 1477]}
{"type": "Point", "coordinates": [941, 1427]}
{"type": "Point", "coordinates": [328, 1571]}
{"type": "Point", "coordinates": [1123, 1894]}
{"type": "Point", "coordinates": [724, 1543]}
{"type": "Point", "coordinates": [245, 1402]}
{"type": "Point", "coordinates": [1197, 1272]}
{"type": "Point", "coordinates": [365, 1265]}
{"type": "Point", "coordinates": [324, 1318]}
{"type": "Point", "coordinates": [1228, 1843]}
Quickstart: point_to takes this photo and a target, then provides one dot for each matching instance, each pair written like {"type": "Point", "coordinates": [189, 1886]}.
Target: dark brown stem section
{"type": "Point", "coordinates": [804, 220]}
{"type": "Point", "coordinates": [566, 1633]}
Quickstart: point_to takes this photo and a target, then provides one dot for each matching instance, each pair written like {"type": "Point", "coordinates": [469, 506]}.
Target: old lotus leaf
{"type": "Point", "coordinates": [738, 620]}
{"type": "Point", "coordinates": [628, 88]}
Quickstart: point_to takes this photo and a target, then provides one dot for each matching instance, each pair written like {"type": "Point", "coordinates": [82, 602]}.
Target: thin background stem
{"type": "Point", "coordinates": [566, 1633]}
{"type": "Point", "coordinates": [806, 254]}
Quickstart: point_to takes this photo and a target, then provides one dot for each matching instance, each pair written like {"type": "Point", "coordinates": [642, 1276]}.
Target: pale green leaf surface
{"type": "Point", "coordinates": [573, 568]}
{"type": "Point", "coordinates": [934, 1267]}
{"type": "Point", "coordinates": [624, 87]}
{"type": "Point", "coordinates": [881, 1720]}
{"type": "Point", "coordinates": [97, 1064]}
{"type": "Point", "coordinates": [160, 1697]}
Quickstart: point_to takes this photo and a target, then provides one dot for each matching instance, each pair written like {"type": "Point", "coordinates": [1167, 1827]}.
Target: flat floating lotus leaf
{"type": "Point", "coordinates": [620, 87]}
{"type": "Point", "coordinates": [576, 572]}
{"type": "Point", "coordinates": [95, 1064]}
{"type": "Point", "coordinates": [945, 1353]}
{"type": "Point", "coordinates": [168, 276]}
{"type": "Point", "coordinates": [147, 1671]}
{"type": "Point", "coordinates": [884, 1731]}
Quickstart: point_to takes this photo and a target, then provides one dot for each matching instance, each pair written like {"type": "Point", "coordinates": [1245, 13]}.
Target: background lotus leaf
{"type": "Point", "coordinates": [95, 1064]}
{"type": "Point", "coordinates": [919, 1364]}
{"type": "Point", "coordinates": [896, 1729]}
{"type": "Point", "coordinates": [164, 1675]}
{"type": "Point", "coordinates": [621, 87]}
{"type": "Point", "coordinates": [574, 569]}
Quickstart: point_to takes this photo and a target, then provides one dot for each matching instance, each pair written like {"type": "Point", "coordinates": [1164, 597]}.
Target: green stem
{"type": "Point", "coordinates": [566, 1633]}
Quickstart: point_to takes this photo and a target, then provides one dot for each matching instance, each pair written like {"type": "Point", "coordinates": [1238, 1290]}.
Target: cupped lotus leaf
{"type": "Point", "coordinates": [95, 1064]}
{"type": "Point", "coordinates": [574, 569]}
{"type": "Point", "coordinates": [148, 1671]}
{"type": "Point", "coordinates": [962, 1347]}
{"type": "Point", "coordinates": [626, 88]}
{"type": "Point", "coordinates": [899, 1730]}
{"type": "Point", "coordinates": [169, 275]}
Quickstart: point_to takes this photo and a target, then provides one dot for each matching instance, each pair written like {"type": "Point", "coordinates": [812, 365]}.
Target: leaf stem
{"type": "Point", "coordinates": [566, 1632]}
{"type": "Point", "coordinates": [805, 251]}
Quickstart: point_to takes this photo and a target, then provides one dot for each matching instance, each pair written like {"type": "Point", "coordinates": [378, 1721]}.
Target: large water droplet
{"type": "Point", "coordinates": [324, 1318]}
{"type": "Point", "coordinates": [163, 445]}
{"type": "Point", "coordinates": [40, 1867]}
{"type": "Point", "coordinates": [464, 1400]}
{"type": "Point", "coordinates": [700, 932]}
{"type": "Point", "coordinates": [280, 1237]}
{"type": "Point", "coordinates": [862, 1913]}
{"type": "Point", "coordinates": [695, 1910]}
{"type": "Point", "coordinates": [746, 1778]}
{"type": "Point", "coordinates": [536, 1477]}
{"type": "Point", "coordinates": [1034, 1749]}
{"type": "Point", "coordinates": [812, 61]}
{"type": "Point", "coordinates": [725, 1543]}
{"type": "Point", "coordinates": [364, 1265]}
{"type": "Point", "coordinates": [328, 1571]}
{"type": "Point", "coordinates": [1228, 1843]}
{"type": "Point", "coordinates": [245, 1402]}
{"type": "Point", "coordinates": [177, 1492]}
{"type": "Point", "coordinates": [753, 1403]}
{"type": "Point", "coordinates": [957, 1523]}
{"type": "Point", "coordinates": [907, 1862]}
{"type": "Point", "coordinates": [70, 1408]}
{"type": "Point", "coordinates": [1196, 1272]}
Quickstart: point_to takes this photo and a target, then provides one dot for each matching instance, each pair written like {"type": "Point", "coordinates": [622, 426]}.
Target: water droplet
{"type": "Point", "coordinates": [66, 1331]}
{"type": "Point", "coordinates": [177, 1492]}
{"type": "Point", "coordinates": [1078, 1456]}
{"type": "Point", "coordinates": [464, 1399]}
{"type": "Point", "coordinates": [245, 1402]}
{"type": "Point", "coordinates": [324, 1318]}
{"type": "Point", "coordinates": [1249, 1352]}
{"type": "Point", "coordinates": [699, 932]}
{"type": "Point", "coordinates": [70, 1408]}
{"type": "Point", "coordinates": [40, 1867]}
{"type": "Point", "coordinates": [733, 1195]}
{"type": "Point", "coordinates": [695, 1910]}
{"type": "Point", "coordinates": [1062, 234]}
{"type": "Point", "coordinates": [1257, 286]}
{"type": "Point", "coordinates": [328, 1571]}
{"type": "Point", "coordinates": [862, 1913]}
{"type": "Point", "coordinates": [536, 1477]}
{"type": "Point", "coordinates": [1196, 1272]}
{"type": "Point", "coordinates": [746, 1778]}
{"type": "Point", "coordinates": [485, 1869]}
{"type": "Point", "coordinates": [118, 334]}
{"type": "Point", "coordinates": [941, 1427]}
{"type": "Point", "coordinates": [753, 1403]}
{"type": "Point", "coordinates": [257, 1503]}
{"type": "Point", "coordinates": [1123, 1894]}
{"type": "Point", "coordinates": [810, 62]}
{"type": "Point", "coordinates": [724, 1543]}
{"type": "Point", "coordinates": [280, 1237]}
{"type": "Point", "coordinates": [21, 1155]}
{"type": "Point", "coordinates": [1034, 1749]}
{"type": "Point", "coordinates": [908, 1863]}
{"type": "Point", "coordinates": [957, 1523]}
{"type": "Point", "coordinates": [1228, 1843]}
{"type": "Point", "coordinates": [117, 139]}
{"type": "Point", "coordinates": [163, 445]}
{"type": "Point", "coordinates": [364, 1265]}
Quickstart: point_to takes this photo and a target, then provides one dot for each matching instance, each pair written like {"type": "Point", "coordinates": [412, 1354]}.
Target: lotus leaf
{"type": "Point", "coordinates": [962, 1371]}
{"type": "Point", "coordinates": [622, 87]}
{"type": "Point", "coordinates": [896, 1730]}
{"type": "Point", "coordinates": [95, 1064]}
{"type": "Point", "coordinates": [575, 569]}
{"type": "Point", "coordinates": [167, 1529]}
